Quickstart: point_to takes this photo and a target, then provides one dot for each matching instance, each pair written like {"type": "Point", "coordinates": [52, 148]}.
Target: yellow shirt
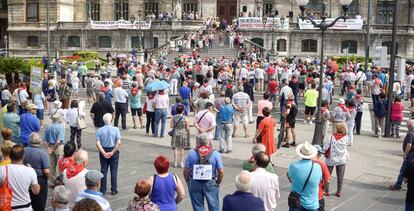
{"type": "Point", "coordinates": [5, 162]}
{"type": "Point", "coordinates": [311, 98]}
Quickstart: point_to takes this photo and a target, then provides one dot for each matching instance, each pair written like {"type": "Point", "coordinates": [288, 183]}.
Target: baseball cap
{"type": "Point", "coordinates": [94, 175]}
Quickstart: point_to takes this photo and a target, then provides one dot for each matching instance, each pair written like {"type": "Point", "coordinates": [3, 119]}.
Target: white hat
{"type": "Point", "coordinates": [74, 73]}
{"type": "Point", "coordinates": [306, 150]}
{"type": "Point", "coordinates": [57, 103]}
{"type": "Point", "coordinates": [341, 101]}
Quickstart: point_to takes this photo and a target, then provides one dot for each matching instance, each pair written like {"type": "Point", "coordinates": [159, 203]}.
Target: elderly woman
{"type": "Point", "coordinates": [142, 202]}
{"type": "Point", "coordinates": [248, 164]}
{"type": "Point", "coordinates": [64, 93]}
{"type": "Point", "coordinates": [60, 198]}
{"type": "Point", "coordinates": [180, 141]}
{"type": "Point", "coordinates": [72, 116]}
{"type": "Point", "coordinates": [265, 132]}
{"type": "Point", "coordinates": [86, 205]}
{"type": "Point", "coordinates": [167, 188]}
{"type": "Point", "coordinates": [38, 160]}
{"type": "Point", "coordinates": [336, 154]}
{"type": "Point", "coordinates": [12, 120]}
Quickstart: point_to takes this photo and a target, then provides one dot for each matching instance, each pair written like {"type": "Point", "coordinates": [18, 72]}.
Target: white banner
{"type": "Point", "coordinates": [349, 24]}
{"type": "Point", "coordinates": [257, 23]}
{"type": "Point", "coordinates": [121, 24]}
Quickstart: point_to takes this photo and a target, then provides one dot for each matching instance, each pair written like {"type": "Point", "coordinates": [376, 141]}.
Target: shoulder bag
{"type": "Point", "coordinates": [294, 197]}
{"type": "Point", "coordinates": [6, 193]}
{"type": "Point", "coordinates": [80, 122]}
{"type": "Point", "coordinates": [328, 151]}
{"type": "Point", "coordinates": [172, 132]}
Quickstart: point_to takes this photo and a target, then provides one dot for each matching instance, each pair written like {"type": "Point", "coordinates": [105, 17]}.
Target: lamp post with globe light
{"type": "Point", "coordinates": [318, 135]}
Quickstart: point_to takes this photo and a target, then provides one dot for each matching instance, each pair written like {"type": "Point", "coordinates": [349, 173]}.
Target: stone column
{"type": "Point", "coordinates": [411, 13]}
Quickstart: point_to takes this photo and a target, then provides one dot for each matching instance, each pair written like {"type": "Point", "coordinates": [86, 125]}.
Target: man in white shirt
{"type": "Point", "coordinates": [243, 73]}
{"type": "Point", "coordinates": [74, 176]}
{"type": "Point", "coordinates": [121, 106]}
{"type": "Point", "coordinates": [285, 91]}
{"type": "Point", "coordinates": [21, 95]}
{"type": "Point", "coordinates": [20, 178]}
{"type": "Point", "coordinates": [265, 185]}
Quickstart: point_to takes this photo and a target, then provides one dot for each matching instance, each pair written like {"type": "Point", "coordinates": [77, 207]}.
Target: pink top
{"type": "Point", "coordinates": [208, 120]}
{"type": "Point", "coordinates": [161, 101]}
{"type": "Point", "coordinates": [262, 104]}
{"type": "Point", "coordinates": [397, 111]}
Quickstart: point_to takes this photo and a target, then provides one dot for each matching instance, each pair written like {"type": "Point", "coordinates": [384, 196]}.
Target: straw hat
{"type": "Point", "coordinates": [306, 150]}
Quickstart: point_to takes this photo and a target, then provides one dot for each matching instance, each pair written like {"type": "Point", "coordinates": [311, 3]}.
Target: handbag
{"type": "Point", "coordinates": [6, 194]}
{"type": "Point", "coordinates": [259, 137]}
{"type": "Point", "coordinates": [294, 197]}
{"type": "Point", "coordinates": [328, 151]}
{"type": "Point", "coordinates": [80, 122]}
{"type": "Point", "coordinates": [172, 132]}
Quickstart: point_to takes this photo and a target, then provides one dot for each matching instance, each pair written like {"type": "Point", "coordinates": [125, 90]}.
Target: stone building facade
{"type": "Point", "coordinates": [71, 29]}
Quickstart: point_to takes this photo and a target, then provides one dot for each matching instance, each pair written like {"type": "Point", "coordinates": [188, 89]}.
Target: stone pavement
{"type": "Point", "coordinates": [373, 166]}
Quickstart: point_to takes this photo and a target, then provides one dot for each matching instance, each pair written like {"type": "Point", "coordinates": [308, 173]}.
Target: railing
{"type": "Point", "coordinates": [387, 27]}
{"type": "Point", "coordinates": [249, 45]}
{"type": "Point", "coordinates": [175, 23]}
{"type": "Point", "coordinates": [73, 25]}
{"type": "Point", "coordinates": [163, 50]}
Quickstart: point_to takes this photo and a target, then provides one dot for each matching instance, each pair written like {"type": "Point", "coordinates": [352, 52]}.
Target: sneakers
{"type": "Point", "coordinates": [394, 188]}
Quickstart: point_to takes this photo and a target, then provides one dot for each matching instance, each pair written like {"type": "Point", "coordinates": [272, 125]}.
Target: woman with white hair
{"type": "Point", "coordinates": [248, 164]}
{"type": "Point", "coordinates": [60, 198]}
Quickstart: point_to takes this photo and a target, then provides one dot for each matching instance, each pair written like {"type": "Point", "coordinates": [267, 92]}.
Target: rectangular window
{"type": "Point", "coordinates": [384, 12]}
{"type": "Point", "coordinates": [32, 41]}
{"type": "Point", "coordinates": [190, 6]}
{"type": "Point", "coordinates": [267, 9]}
{"type": "Point", "coordinates": [3, 5]}
{"type": "Point", "coordinates": [32, 11]}
{"type": "Point", "coordinates": [121, 10]}
{"type": "Point", "coordinates": [93, 10]}
{"type": "Point", "coordinates": [151, 8]}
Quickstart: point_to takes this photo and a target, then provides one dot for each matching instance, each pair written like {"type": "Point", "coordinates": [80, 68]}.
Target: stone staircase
{"type": "Point", "coordinates": [219, 50]}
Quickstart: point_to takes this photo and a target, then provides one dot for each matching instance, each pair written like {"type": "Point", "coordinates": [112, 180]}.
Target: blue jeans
{"type": "Point", "coordinates": [160, 115]}
{"type": "Point", "coordinates": [399, 182]}
{"type": "Point", "coordinates": [217, 133]}
{"type": "Point", "coordinates": [186, 103]}
{"type": "Point", "coordinates": [409, 207]}
{"type": "Point", "coordinates": [200, 189]}
{"type": "Point", "coordinates": [105, 164]}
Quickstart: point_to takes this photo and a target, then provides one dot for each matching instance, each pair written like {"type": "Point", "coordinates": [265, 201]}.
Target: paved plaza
{"type": "Point", "coordinates": [374, 166]}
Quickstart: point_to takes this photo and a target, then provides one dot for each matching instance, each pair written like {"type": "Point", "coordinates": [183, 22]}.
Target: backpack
{"type": "Point", "coordinates": [203, 170]}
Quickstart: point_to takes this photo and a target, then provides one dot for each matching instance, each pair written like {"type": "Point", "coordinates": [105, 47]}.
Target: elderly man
{"type": "Point", "coordinates": [60, 198]}
{"type": "Point", "coordinates": [203, 173]}
{"type": "Point", "coordinates": [241, 102]}
{"type": "Point", "coordinates": [21, 178]}
{"type": "Point", "coordinates": [74, 176]}
{"type": "Point", "coordinates": [265, 185]}
{"type": "Point", "coordinates": [39, 161]}
{"type": "Point", "coordinates": [100, 108]}
{"type": "Point", "coordinates": [243, 199]}
{"type": "Point", "coordinates": [29, 123]}
{"type": "Point", "coordinates": [93, 183]}
{"type": "Point", "coordinates": [205, 122]}
{"type": "Point", "coordinates": [54, 139]}
{"type": "Point", "coordinates": [108, 141]}
{"type": "Point", "coordinates": [249, 164]}
{"type": "Point", "coordinates": [226, 121]}
{"type": "Point", "coordinates": [121, 106]}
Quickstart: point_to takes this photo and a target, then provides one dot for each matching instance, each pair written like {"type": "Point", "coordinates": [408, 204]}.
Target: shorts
{"type": "Point", "coordinates": [136, 111]}
{"type": "Point", "coordinates": [291, 124]}
{"type": "Point", "coordinates": [90, 92]}
{"type": "Point", "coordinates": [40, 114]}
{"type": "Point", "coordinates": [310, 110]}
{"type": "Point", "coordinates": [243, 118]}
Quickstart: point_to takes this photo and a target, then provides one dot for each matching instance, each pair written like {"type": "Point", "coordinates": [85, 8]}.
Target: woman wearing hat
{"type": "Point", "coordinates": [338, 155]}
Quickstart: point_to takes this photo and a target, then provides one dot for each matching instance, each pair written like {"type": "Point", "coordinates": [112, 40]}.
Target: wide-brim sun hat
{"type": "Point", "coordinates": [306, 150]}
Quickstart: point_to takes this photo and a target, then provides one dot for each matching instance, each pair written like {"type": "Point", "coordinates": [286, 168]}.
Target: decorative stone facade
{"type": "Point", "coordinates": [70, 18]}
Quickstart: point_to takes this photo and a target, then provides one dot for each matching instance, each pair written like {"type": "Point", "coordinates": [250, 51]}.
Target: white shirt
{"type": "Point", "coordinates": [265, 185]}
{"type": "Point", "coordinates": [21, 96]}
{"type": "Point", "coordinates": [260, 73]}
{"type": "Point", "coordinates": [161, 101]}
{"type": "Point", "coordinates": [72, 115]}
{"type": "Point", "coordinates": [286, 90]}
{"type": "Point", "coordinates": [120, 95]}
{"type": "Point", "coordinates": [20, 179]}
{"type": "Point", "coordinates": [75, 185]}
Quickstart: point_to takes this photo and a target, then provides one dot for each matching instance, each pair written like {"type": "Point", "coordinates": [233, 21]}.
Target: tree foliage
{"type": "Point", "coordinates": [12, 64]}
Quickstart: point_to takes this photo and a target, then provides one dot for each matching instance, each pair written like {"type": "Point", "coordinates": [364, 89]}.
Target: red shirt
{"type": "Point", "coordinates": [271, 70]}
{"type": "Point", "coordinates": [325, 177]}
{"type": "Point", "coordinates": [272, 87]}
{"type": "Point", "coordinates": [64, 163]}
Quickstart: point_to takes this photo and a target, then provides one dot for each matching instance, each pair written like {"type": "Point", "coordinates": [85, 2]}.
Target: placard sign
{"type": "Point", "coordinates": [349, 24]}
{"type": "Point", "coordinates": [121, 24]}
{"type": "Point", "coordinates": [202, 172]}
{"type": "Point", "coordinates": [260, 23]}
{"type": "Point", "coordinates": [36, 79]}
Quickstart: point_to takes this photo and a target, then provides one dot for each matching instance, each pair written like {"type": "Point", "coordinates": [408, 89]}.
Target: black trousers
{"type": "Point", "coordinates": [322, 204]}
{"type": "Point", "coordinates": [150, 122]}
{"type": "Point", "coordinates": [358, 119]}
{"type": "Point", "coordinates": [39, 200]}
{"type": "Point", "coordinates": [75, 132]}
{"type": "Point", "coordinates": [121, 109]}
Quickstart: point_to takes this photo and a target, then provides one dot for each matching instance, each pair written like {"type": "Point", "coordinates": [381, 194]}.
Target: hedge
{"type": "Point", "coordinates": [86, 54]}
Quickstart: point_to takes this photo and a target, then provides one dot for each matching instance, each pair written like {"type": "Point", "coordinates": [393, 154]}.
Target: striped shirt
{"type": "Point", "coordinates": [241, 100]}
{"type": "Point", "coordinates": [97, 196]}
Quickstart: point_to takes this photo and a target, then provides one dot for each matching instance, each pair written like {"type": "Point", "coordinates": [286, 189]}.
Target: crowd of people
{"type": "Point", "coordinates": [212, 97]}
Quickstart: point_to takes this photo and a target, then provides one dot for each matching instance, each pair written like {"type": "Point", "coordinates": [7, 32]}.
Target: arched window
{"type": "Point", "coordinates": [351, 45]}
{"type": "Point", "coordinates": [309, 45]}
{"type": "Point", "coordinates": [136, 41]}
{"type": "Point", "coordinates": [105, 42]}
{"type": "Point", "coordinates": [281, 45]}
{"type": "Point", "coordinates": [32, 41]}
{"type": "Point", "coordinates": [74, 42]}
{"type": "Point", "coordinates": [388, 45]}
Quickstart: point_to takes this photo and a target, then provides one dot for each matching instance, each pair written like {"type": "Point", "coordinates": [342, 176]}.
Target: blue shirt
{"type": "Point", "coordinates": [226, 113]}
{"type": "Point", "coordinates": [38, 101]}
{"type": "Point", "coordinates": [174, 109]}
{"type": "Point", "coordinates": [215, 161]}
{"type": "Point", "coordinates": [28, 124]}
{"type": "Point", "coordinates": [37, 158]}
{"type": "Point", "coordinates": [185, 92]}
{"type": "Point", "coordinates": [242, 201]}
{"type": "Point", "coordinates": [108, 135]}
{"type": "Point", "coordinates": [298, 172]}
{"type": "Point", "coordinates": [108, 96]}
{"type": "Point", "coordinates": [97, 196]}
{"type": "Point", "coordinates": [53, 133]}
{"type": "Point", "coordinates": [383, 78]}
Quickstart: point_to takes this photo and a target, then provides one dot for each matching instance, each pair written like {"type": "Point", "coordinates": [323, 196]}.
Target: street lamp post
{"type": "Point", "coordinates": [323, 26]}
{"type": "Point", "coordinates": [5, 44]}
{"type": "Point", "coordinates": [48, 32]}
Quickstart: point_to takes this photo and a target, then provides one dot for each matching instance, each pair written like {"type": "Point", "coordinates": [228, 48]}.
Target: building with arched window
{"type": "Point", "coordinates": [119, 25]}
